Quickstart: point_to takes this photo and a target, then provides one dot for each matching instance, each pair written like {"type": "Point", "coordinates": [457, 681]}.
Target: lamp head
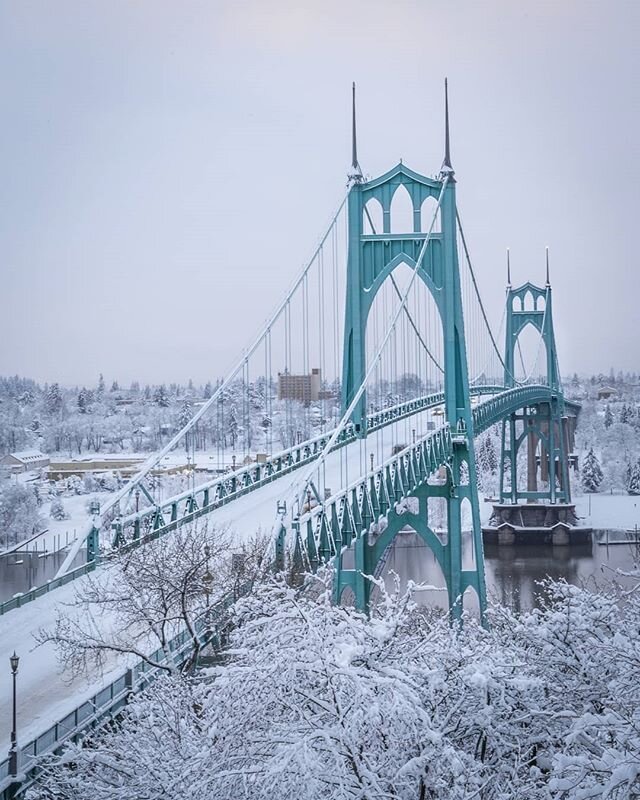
{"type": "Point", "coordinates": [14, 661]}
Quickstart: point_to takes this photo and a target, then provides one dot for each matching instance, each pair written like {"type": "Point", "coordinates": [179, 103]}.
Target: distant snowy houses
{"type": "Point", "coordinates": [25, 461]}
{"type": "Point", "coordinates": [607, 392]}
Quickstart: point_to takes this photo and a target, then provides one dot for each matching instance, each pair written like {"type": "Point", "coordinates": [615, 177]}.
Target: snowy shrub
{"type": "Point", "coordinates": [19, 517]}
{"type": "Point", "coordinates": [57, 510]}
{"type": "Point", "coordinates": [317, 702]}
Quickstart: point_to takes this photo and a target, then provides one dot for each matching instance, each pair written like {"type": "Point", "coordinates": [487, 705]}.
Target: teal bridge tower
{"type": "Point", "coordinates": [371, 259]}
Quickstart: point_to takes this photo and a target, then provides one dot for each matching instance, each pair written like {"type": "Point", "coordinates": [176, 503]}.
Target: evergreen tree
{"type": "Point", "coordinates": [101, 386]}
{"type": "Point", "coordinates": [207, 390]}
{"type": "Point", "coordinates": [608, 417]}
{"type": "Point", "coordinates": [186, 412]}
{"type": "Point", "coordinates": [84, 400]}
{"type": "Point", "coordinates": [161, 397]}
{"type": "Point", "coordinates": [591, 476]}
{"type": "Point", "coordinates": [625, 413]}
{"type": "Point", "coordinates": [53, 399]}
{"type": "Point", "coordinates": [632, 478]}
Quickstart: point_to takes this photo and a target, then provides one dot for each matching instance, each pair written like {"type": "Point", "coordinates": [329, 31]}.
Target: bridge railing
{"type": "Point", "coordinates": [212, 494]}
{"type": "Point", "coordinates": [328, 527]}
{"type": "Point", "coordinates": [20, 599]}
{"type": "Point", "coordinates": [493, 410]}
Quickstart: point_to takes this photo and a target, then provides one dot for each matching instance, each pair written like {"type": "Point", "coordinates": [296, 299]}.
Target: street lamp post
{"type": "Point", "coordinates": [13, 752]}
{"type": "Point", "coordinates": [207, 580]}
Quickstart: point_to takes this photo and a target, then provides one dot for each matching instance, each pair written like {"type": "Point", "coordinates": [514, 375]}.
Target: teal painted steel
{"type": "Point", "coordinates": [544, 420]}
{"type": "Point", "coordinates": [371, 259]}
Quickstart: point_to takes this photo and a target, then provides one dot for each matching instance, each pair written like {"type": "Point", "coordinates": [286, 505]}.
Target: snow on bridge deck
{"type": "Point", "coordinates": [45, 694]}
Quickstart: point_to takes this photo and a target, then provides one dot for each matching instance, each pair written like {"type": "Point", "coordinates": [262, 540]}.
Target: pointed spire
{"type": "Point", "coordinates": [508, 270]}
{"type": "Point", "coordinates": [548, 281]}
{"type": "Point", "coordinates": [356, 173]}
{"type": "Point", "coordinates": [446, 164]}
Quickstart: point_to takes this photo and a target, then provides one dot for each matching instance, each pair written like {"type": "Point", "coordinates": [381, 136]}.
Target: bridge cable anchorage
{"type": "Point", "coordinates": [344, 421]}
{"type": "Point", "coordinates": [406, 310]}
{"type": "Point", "coordinates": [217, 395]}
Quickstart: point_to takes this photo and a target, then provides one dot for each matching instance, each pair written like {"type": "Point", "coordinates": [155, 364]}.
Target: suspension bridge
{"type": "Point", "coordinates": [350, 417]}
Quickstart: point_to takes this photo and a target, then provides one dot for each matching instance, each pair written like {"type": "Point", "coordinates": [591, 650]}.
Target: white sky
{"type": "Point", "coordinates": [167, 167]}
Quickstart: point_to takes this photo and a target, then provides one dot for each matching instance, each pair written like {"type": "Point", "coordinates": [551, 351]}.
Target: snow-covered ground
{"type": "Point", "coordinates": [609, 511]}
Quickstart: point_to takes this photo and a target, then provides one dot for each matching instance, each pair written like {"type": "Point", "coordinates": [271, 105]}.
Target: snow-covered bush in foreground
{"type": "Point", "coordinates": [317, 702]}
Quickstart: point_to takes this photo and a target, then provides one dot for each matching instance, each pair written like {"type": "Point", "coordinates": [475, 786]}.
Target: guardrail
{"type": "Point", "coordinates": [108, 702]}
{"type": "Point", "coordinates": [331, 525]}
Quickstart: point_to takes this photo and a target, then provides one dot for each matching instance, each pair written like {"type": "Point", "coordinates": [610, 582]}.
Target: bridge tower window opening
{"type": "Point", "coordinates": [429, 205]}
{"type": "Point", "coordinates": [372, 217]}
{"type": "Point", "coordinates": [402, 217]}
{"type": "Point", "coordinates": [530, 355]}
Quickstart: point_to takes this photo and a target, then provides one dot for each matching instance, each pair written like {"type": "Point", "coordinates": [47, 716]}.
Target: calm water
{"type": "Point", "coordinates": [513, 573]}
{"type": "Point", "coordinates": [20, 572]}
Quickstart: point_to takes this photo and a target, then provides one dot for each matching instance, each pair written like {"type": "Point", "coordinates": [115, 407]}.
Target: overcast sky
{"type": "Point", "coordinates": [166, 167]}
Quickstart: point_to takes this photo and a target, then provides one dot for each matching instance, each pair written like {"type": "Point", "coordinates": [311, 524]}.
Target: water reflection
{"type": "Point", "coordinates": [20, 572]}
{"type": "Point", "coordinates": [513, 573]}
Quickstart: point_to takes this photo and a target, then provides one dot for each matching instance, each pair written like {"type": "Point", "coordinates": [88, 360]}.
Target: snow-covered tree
{"type": "Point", "coordinates": [591, 474]}
{"type": "Point", "coordinates": [608, 417]}
{"type": "Point", "coordinates": [632, 478]}
{"type": "Point", "coordinates": [53, 399]}
{"type": "Point", "coordinates": [19, 515]}
{"type": "Point", "coordinates": [319, 702]}
{"type": "Point", "coordinates": [149, 595]}
{"type": "Point", "coordinates": [57, 510]}
{"type": "Point", "coordinates": [186, 412]}
{"type": "Point", "coordinates": [161, 396]}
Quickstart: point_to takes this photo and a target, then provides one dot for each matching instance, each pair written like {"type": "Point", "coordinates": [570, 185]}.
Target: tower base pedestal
{"type": "Point", "coordinates": [549, 523]}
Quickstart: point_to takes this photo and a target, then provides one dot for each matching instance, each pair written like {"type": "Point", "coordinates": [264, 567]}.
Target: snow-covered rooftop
{"type": "Point", "coordinates": [28, 456]}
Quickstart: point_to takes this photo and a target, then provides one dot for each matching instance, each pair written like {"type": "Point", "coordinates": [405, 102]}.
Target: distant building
{"type": "Point", "coordinates": [25, 461]}
{"type": "Point", "coordinates": [304, 388]}
{"type": "Point", "coordinates": [605, 392]}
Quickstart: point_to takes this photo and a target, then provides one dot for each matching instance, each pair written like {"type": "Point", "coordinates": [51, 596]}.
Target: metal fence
{"type": "Point", "coordinates": [110, 700]}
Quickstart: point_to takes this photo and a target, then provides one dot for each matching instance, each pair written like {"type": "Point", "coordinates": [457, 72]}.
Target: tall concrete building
{"type": "Point", "coordinates": [304, 388]}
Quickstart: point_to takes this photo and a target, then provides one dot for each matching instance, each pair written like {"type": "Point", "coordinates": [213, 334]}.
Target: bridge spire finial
{"type": "Point", "coordinates": [547, 254]}
{"type": "Point", "coordinates": [355, 174]}
{"type": "Point", "coordinates": [446, 164]}
{"type": "Point", "coordinates": [508, 270]}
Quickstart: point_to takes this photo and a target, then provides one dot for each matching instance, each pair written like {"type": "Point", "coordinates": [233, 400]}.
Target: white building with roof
{"type": "Point", "coordinates": [25, 461]}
